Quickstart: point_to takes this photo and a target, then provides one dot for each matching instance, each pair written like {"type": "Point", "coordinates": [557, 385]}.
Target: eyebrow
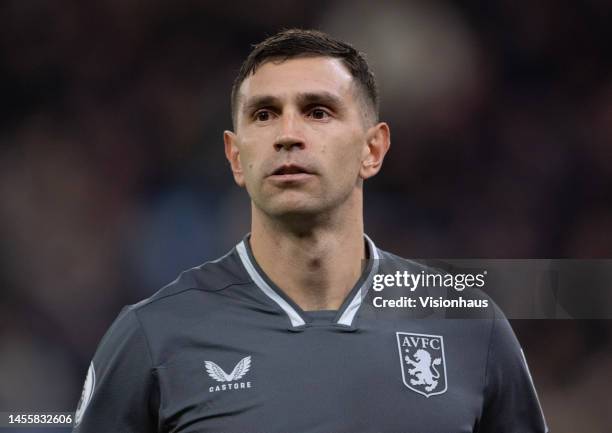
{"type": "Point", "coordinates": [324, 98]}
{"type": "Point", "coordinates": [307, 98]}
{"type": "Point", "coordinates": [256, 102]}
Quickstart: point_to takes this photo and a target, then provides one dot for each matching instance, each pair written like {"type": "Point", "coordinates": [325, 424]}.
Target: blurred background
{"type": "Point", "coordinates": [113, 179]}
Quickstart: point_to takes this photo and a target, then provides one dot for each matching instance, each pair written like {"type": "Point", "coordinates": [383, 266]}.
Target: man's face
{"type": "Point", "coordinates": [300, 137]}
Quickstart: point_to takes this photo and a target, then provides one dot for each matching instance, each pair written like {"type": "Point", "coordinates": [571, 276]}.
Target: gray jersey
{"type": "Point", "coordinates": [223, 350]}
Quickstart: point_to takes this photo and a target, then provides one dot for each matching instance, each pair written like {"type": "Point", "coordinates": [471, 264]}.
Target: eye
{"type": "Point", "coordinates": [319, 114]}
{"type": "Point", "coordinates": [262, 115]}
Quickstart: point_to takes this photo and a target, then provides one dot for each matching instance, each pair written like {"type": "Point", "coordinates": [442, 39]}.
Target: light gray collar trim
{"type": "Point", "coordinates": [349, 314]}
{"type": "Point", "coordinates": [296, 319]}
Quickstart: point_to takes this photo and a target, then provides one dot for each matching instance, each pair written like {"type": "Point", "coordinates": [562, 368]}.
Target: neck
{"type": "Point", "coordinates": [315, 263]}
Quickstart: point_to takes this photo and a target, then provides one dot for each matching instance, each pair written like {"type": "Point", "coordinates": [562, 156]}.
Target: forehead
{"type": "Point", "coordinates": [299, 75]}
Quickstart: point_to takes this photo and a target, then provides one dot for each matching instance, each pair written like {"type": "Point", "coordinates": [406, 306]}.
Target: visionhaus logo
{"type": "Point", "coordinates": [229, 380]}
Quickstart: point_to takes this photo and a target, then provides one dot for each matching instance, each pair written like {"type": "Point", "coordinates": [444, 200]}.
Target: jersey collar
{"type": "Point", "coordinates": [350, 306]}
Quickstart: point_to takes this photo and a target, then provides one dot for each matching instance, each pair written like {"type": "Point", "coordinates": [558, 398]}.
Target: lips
{"type": "Point", "coordinates": [290, 175]}
{"type": "Point", "coordinates": [288, 169]}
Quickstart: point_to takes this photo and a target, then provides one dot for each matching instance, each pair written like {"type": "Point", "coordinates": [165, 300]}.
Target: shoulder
{"type": "Point", "coordinates": [194, 300]}
{"type": "Point", "coordinates": [198, 282]}
{"type": "Point", "coordinates": [440, 288]}
{"type": "Point", "coordinates": [389, 262]}
{"type": "Point", "coordinates": [196, 295]}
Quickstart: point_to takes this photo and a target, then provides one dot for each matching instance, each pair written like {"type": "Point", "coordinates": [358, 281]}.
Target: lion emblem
{"type": "Point", "coordinates": [424, 368]}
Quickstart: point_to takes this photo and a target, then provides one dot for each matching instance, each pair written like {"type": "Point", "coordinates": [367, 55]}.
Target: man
{"type": "Point", "coordinates": [279, 335]}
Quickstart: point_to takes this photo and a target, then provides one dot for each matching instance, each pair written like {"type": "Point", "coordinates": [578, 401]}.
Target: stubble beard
{"type": "Point", "coordinates": [306, 214]}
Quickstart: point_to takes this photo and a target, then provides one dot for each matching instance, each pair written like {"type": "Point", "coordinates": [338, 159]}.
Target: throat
{"type": "Point", "coordinates": [315, 275]}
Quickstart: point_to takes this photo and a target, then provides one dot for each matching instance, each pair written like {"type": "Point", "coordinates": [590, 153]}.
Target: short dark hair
{"type": "Point", "coordinates": [293, 43]}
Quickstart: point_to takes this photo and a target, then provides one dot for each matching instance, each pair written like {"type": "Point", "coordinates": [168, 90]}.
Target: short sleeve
{"type": "Point", "coordinates": [511, 403]}
{"type": "Point", "coordinates": [120, 393]}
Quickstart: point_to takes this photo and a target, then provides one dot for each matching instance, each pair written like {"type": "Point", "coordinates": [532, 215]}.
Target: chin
{"type": "Point", "coordinates": [293, 208]}
{"type": "Point", "coordinates": [297, 204]}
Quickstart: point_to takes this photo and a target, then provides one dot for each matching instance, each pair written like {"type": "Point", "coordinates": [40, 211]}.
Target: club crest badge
{"type": "Point", "coordinates": [423, 363]}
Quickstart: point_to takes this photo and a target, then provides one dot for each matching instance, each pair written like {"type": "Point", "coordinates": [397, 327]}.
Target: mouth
{"type": "Point", "coordinates": [291, 173]}
{"type": "Point", "coordinates": [286, 169]}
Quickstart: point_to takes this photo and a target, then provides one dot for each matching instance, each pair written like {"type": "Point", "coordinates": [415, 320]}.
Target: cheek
{"type": "Point", "coordinates": [248, 156]}
{"type": "Point", "coordinates": [253, 159]}
{"type": "Point", "coordinates": [345, 154]}
{"type": "Point", "coordinates": [248, 166]}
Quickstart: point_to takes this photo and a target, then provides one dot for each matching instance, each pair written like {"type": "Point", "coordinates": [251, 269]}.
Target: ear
{"type": "Point", "coordinates": [378, 140]}
{"type": "Point", "coordinates": [233, 156]}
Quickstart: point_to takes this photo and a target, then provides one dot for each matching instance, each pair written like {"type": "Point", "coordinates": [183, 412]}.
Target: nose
{"type": "Point", "coordinates": [290, 135]}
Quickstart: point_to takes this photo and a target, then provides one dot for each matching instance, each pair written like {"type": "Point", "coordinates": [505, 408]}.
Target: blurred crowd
{"type": "Point", "coordinates": [113, 178]}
